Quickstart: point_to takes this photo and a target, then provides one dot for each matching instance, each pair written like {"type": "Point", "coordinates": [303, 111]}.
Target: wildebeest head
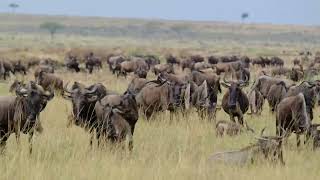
{"type": "Point", "coordinates": [15, 85]}
{"type": "Point", "coordinates": [235, 90]}
{"type": "Point", "coordinates": [35, 97]}
{"type": "Point", "coordinates": [83, 99]}
{"type": "Point", "coordinates": [141, 72]}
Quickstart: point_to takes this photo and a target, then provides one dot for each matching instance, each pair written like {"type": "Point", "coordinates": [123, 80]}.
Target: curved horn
{"type": "Point", "coordinates": [92, 91]}
{"type": "Point", "coordinates": [65, 88]}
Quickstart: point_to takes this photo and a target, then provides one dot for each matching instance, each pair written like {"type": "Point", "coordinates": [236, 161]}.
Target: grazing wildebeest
{"type": "Point", "coordinates": [235, 102]}
{"type": "Point", "coordinates": [83, 101]}
{"type": "Point", "coordinates": [72, 63]}
{"type": "Point", "coordinates": [268, 147]}
{"type": "Point", "coordinates": [91, 62]}
{"type": "Point", "coordinates": [256, 101]}
{"type": "Point", "coordinates": [21, 112]}
{"type": "Point", "coordinates": [276, 93]}
{"type": "Point", "coordinates": [229, 128]}
{"type": "Point", "coordinates": [49, 81]}
{"type": "Point", "coordinates": [292, 116]}
{"type": "Point", "coordinates": [116, 117]}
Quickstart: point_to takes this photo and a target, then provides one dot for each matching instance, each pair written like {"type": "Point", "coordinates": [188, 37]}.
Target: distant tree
{"type": "Point", "coordinates": [244, 16]}
{"type": "Point", "coordinates": [52, 27]}
{"type": "Point", "coordinates": [13, 6]}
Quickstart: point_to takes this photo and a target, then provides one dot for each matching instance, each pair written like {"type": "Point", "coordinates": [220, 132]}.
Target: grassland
{"type": "Point", "coordinates": [163, 149]}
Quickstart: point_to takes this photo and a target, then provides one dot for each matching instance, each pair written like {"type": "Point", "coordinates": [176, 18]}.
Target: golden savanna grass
{"type": "Point", "coordinates": [163, 148]}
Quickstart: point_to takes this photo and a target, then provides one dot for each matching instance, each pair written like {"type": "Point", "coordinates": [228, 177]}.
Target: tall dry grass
{"type": "Point", "coordinates": [163, 149]}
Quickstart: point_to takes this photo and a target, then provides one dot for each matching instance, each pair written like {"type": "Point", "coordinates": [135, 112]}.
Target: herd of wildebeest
{"type": "Point", "coordinates": [181, 84]}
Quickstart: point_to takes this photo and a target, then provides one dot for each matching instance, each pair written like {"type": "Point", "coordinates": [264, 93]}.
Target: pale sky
{"type": "Point", "coordinates": [306, 12]}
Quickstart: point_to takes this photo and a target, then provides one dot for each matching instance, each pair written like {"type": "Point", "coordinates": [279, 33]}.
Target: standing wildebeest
{"type": "Point", "coordinates": [133, 65]}
{"type": "Point", "coordinates": [114, 63]}
{"type": "Point", "coordinates": [263, 84]}
{"type": "Point", "coordinates": [83, 101]}
{"type": "Point", "coordinates": [19, 67]}
{"type": "Point", "coordinates": [276, 93]}
{"type": "Point", "coordinates": [92, 61]}
{"type": "Point", "coordinates": [213, 60]}
{"type": "Point", "coordinates": [256, 101]}
{"type": "Point", "coordinates": [235, 102]}
{"type": "Point", "coordinates": [136, 85]}
{"type": "Point", "coordinates": [172, 60]}
{"type": "Point", "coordinates": [159, 68]}
{"type": "Point", "coordinates": [21, 112]}
{"type": "Point", "coordinates": [72, 63]}
{"type": "Point", "coordinates": [292, 116]}
{"type": "Point", "coordinates": [213, 88]}
{"type": "Point", "coordinates": [5, 69]}
{"type": "Point", "coordinates": [141, 72]}
{"type": "Point", "coordinates": [50, 81]}
{"type": "Point", "coordinates": [229, 128]}
{"type": "Point", "coordinates": [242, 74]}
{"type": "Point", "coordinates": [43, 68]}
{"type": "Point", "coordinates": [116, 117]}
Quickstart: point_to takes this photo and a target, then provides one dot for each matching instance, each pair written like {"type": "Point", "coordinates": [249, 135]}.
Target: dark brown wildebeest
{"type": "Point", "coordinates": [235, 102]}
{"type": "Point", "coordinates": [116, 117]}
{"type": "Point", "coordinates": [297, 73]}
{"type": "Point", "coordinates": [197, 58]}
{"type": "Point", "coordinates": [213, 60]}
{"type": "Point", "coordinates": [91, 62]}
{"type": "Point", "coordinates": [49, 81]}
{"type": "Point", "coordinates": [280, 71]}
{"type": "Point", "coordinates": [18, 67]}
{"type": "Point", "coordinates": [200, 66]}
{"type": "Point", "coordinates": [171, 60]}
{"type": "Point", "coordinates": [268, 147]}
{"type": "Point", "coordinates": [276, 93]}
{"type": "Point", "coordinates": [72, 63]}
{"type": "Point", "coordinates": [292, 116]}
{"type": "Point", "coordinates": [141, 72]}
{"type": "Point", "coordinates": [256, 101]}
{"type": "Point", "coordinates": [83, 101]}
{"type": "Point", "coordinates": [151, 60]}
{"type": "Point", "coordinates": [276, 61]}
{"type": "Point", "coordinates": [229, 128]}
{"type": "Point", "coordinates": [160, 68]}
{"type": "Point", "coordinates": [21, 112]}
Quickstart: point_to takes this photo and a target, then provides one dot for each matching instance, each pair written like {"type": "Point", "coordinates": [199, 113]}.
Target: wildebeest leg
{"type": "Point", "coordinates": [3, 141]}
{"type": "Point", "coordinates": [30, 140]}
{"type": "Point", "coordinates": [298, 140]}
{"type": "Point", "coordinates": [232, 118]}
{"type": "Point", "coordinates": [17, 131]}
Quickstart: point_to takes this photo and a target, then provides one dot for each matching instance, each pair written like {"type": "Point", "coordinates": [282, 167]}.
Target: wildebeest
{"type": "Point", "coordinates": [136, 85]}
{"type": "Point", "coordinates": [268, 147]}
{"type": "Point", "coordinates": [297, 73]}
{"type": "Point", "coordinates": [264, 83]}
{"type": "Point", "coordinates": [114, 63]}
{"type": "Point", "coordinates": [133, 65]}
{"type": "Point", "coordinates": [5, 69]}
{"type": "Point", "coordinates": [72, 63]}
{"type": "Point", "coordinates": [276, 93]}
{"type": "Point", "coordinates": [19, 67]}
{"type": "Point", "coordinates": [280, 71]}
{"type": "Point", "coordinates": [50, 81]}
{"type": "Point", "coordinates": [229, 128]}
{"type": "Point", "coordinates": [292, 117]}
{"type": "Point", "coordinates": [235, 102]}
{"type": "Point", "coordinates": [83, 101]}
{"type": "Point", "coordinates": [256, 101]}
{"type": "Point", "coordinates": [141, 72]}
{"type": "Point", "coordinates": [43, 68]}
{"type": "Point", "coordinates": [116, 117]}
{"type": "Point", "coordinates": [200, 65]}
{"type": "Point", "coordinates": [172, 60]}
{"type": "Point", "coordinates": [213, 60]}
{"type": "Point", "coordinates": [91, 62]}
{"type": "Point", "coordinates": [159, 68]}
{"type": "Point", "coordinates": [243, 74]}
{"type": "Point", "coordinates": [20, 112]}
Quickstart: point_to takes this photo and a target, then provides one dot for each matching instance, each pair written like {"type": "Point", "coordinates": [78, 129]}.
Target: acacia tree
{"type": "Point", "coordinates": [13, 6]}
{"type": "Point", "coordinates": [52, 27]}
{"type": "Point", "coordinates": [244, 16]}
